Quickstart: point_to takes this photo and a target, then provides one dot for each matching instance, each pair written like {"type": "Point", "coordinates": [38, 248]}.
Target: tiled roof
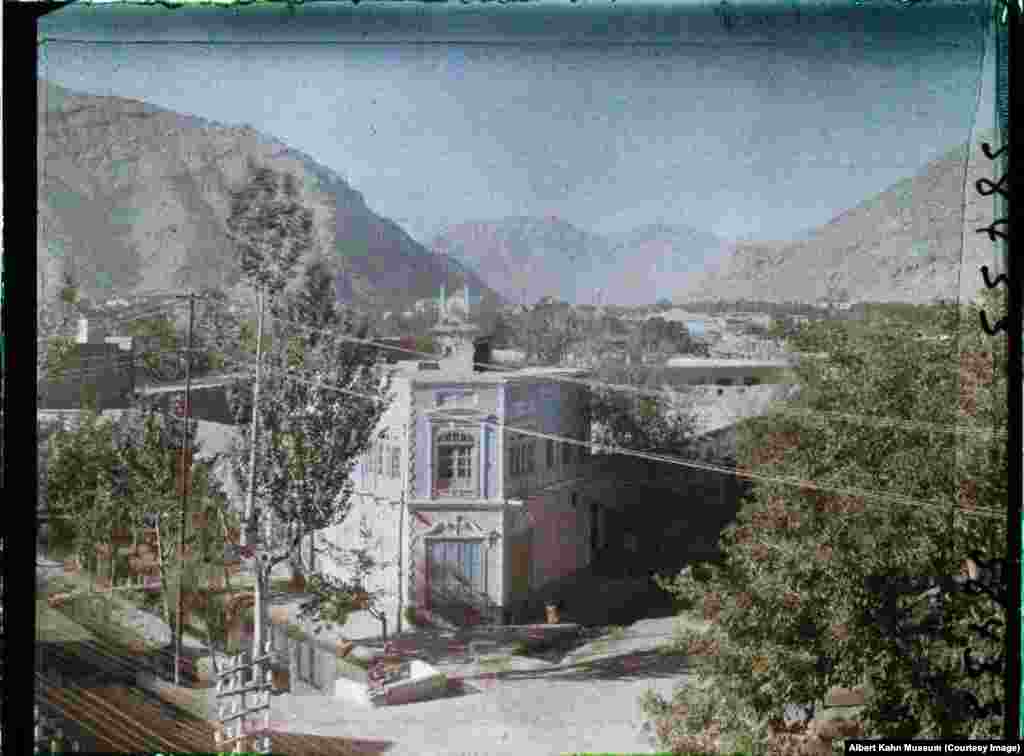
{"type": "Point", "coordinates": [122, 719]}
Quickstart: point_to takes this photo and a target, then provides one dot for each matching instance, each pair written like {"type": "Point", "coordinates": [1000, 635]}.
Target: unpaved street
{"type": "Point", "coordinates": [514, 705]}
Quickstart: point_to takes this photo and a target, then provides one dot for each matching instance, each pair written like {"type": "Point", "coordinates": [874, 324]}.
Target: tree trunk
{"type": "Point", "coordinates": [262, 580]}
{"type": "Point", "coordinates": [168, 614]}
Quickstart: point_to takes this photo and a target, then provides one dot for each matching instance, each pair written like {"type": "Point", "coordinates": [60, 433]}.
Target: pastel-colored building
{"type": "Point", "coordinates": [697, 371]}
{"type": "Point", "coordinates": [463, 499]}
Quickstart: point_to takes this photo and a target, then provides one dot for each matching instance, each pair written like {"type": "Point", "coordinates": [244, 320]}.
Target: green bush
{"type": "Point", "coordinates": [412, 617]}
{"type": "Point", "coordinates": [796, 605]}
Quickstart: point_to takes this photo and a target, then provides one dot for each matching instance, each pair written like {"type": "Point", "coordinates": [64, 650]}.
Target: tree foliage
{"type": "Point", "coordinates": [270, 228]}
{"type": "Point", "coordinates": [649, 422]}
{"type": "Point", "coordinates": [310, 432]}
{"type": "Point", "coordinates": [333, 595]}
{"type": "Point", "coordinates": [793, 607]}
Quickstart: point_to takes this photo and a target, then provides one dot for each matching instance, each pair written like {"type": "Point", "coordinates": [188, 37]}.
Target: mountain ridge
{"type": "Point", "coordinates": [529, 257]}
{"type": "Point", "coordinates": [134, 198]}
{"type": "Point", "coordinates": [912, 242]}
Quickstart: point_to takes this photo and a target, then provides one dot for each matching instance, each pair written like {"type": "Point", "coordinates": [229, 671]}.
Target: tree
{"type": "Point", "coordinates": [80, 479]}
{"type": "Point", "coordinates": [332, 599]}
{"type": "Point", "coordinates": [149, 451]}
{"type": "Point", "coordinates": [649, 423]}
{"type": "Point", "coordinates": [796, 607]}
{"type": "Point", "coordinates": [270, 228]}
{"type": "Point", "coordinates": [311, 433]}
{"type": "Point", "coordinates": [158, 344]}
{"type": "Point", "coordinates": [549, 330]}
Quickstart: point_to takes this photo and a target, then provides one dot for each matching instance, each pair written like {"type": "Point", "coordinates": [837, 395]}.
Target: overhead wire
{"type": "Point", "coordinates": [674, 396]}
{"type": "Point", "coordinates": [667, 459]}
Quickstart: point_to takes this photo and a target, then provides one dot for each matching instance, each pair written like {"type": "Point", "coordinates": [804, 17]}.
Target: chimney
{"type": "Point", "coordinates": [465, 294]}
{"type": "Point", "coordinates": [444, 303]}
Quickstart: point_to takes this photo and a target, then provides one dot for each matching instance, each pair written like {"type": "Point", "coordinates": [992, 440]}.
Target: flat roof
{"type": "Point", "coordinates": [410, 371]}
{"type": "Point", "coordinates": [699, 362]}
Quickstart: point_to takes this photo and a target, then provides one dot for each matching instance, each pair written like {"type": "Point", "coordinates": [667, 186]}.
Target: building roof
{"type": "Point", "coordinates": [411, 371]}
{"type": "Point", "coordinates": [700, 362]}
{"type": "Point", "coordinates": [197, 383]}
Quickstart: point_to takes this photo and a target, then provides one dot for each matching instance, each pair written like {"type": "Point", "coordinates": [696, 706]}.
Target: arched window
{"type": "Point", "coordinates": [455, 472]}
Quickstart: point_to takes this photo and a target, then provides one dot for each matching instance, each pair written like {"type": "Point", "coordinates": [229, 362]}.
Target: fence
{"type": "Point", "coordinates": [308, 661]}
{"type": "Point", "coordinates": [53, 734]}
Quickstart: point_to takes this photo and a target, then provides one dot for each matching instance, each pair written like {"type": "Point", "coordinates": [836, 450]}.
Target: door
{"type": "Point", "coordinates": [519, 555]}
{"type": "Point", "coordinates": [456, 580]}
{"type": "Point", "coordinates": [595, 543]}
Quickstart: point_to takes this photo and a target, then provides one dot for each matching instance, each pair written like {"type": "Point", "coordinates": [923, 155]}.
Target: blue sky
{"type": "Point", "coordinates": [772, 128]}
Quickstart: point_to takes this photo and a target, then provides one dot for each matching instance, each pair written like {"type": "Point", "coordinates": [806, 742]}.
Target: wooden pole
{"type": "Point", "coordinates": [185, 471]}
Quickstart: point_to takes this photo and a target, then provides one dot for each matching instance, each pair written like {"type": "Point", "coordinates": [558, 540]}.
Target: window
{"type": "Point", "coordinates": [551, 453]}
{"type": "Point", "coordinates": [378, 462]}
{"type": "Point", "coordinates": [396, 462]}
{"type": "Point", "coordinates": [566, 453]}
{"type": "Point", "coordinates": [455, 463]}
{"type": "Point", "coordinates": [531, 456]}
{"type": "Point", "coordinates": [455, 569]}
{"type": "Point", "coordinates": [515, 459]}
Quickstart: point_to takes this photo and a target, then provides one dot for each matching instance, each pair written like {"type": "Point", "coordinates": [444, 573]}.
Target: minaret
{"type": "Point", "coordinates": [465, 294]}
{"type": "Point", "coordinates": [444, 303]}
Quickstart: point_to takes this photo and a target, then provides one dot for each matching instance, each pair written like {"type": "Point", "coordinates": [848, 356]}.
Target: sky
{"type": "Point", "coordinates": [760, 131]}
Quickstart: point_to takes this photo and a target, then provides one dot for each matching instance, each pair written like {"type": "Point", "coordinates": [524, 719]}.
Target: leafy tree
{"type": "Point", "coordinates": [794, 607]}
{"type": "Point", "coordinates": [150, 495]}
{"type": "Point", "coordinates": [332, 598]}
{"type": "Point", "coordinates": [79, 482]}
{"type": "Point", "coordinates": [654, 424]}
{"type": "Point", "coordinates": [311, 434]}
{"type": "Point", "coordinates": [270, 228]}
{"type": "Point", "coordinates": [157, 343]}
{"type": "Point", "coordinates": [549, 329]}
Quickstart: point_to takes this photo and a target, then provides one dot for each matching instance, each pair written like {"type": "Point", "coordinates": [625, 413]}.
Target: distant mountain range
{"type": "Point", "coordinates": [914, 242]}
{"type": "Point", "coordinates": [525, 258]}
{"type": "Point", "coordinates": [134, 198]}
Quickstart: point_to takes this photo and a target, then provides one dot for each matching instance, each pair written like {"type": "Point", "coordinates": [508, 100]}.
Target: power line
{"type": "Point", "coordinates": [673, 460]}
{"type": "Point", "coordinates": [668, 459]}
{"type": "Point", "coordinates": [115, 320]}
{"type": "Point", "coordinates": [676, 396]}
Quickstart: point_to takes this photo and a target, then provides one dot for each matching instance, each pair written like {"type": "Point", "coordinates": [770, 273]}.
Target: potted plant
{"type": "Point", "coordinates": [553, 611]}
{"type": "Point", "coordinates": [281, 678]}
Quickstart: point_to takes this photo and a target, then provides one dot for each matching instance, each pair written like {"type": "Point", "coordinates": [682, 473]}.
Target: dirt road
{"type": "Point", "coordinates": [507, 704]}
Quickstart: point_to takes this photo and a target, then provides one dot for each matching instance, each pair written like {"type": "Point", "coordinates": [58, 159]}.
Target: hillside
{"type": "Point", "coordinates": [902, 245]}
{"type": "Point", "coordinates": [529, 258]}
{"type": "Point", "coordinates": [134, 198]}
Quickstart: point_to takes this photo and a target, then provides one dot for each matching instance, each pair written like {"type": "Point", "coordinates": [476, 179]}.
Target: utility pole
{"type": "Point", "coordinates": [186, 465]}
{"type": "Point", "coordinates": [255, 404]}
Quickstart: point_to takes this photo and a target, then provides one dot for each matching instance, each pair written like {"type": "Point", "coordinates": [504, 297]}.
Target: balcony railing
{"type": "Point", "coordinates": [456, 489]}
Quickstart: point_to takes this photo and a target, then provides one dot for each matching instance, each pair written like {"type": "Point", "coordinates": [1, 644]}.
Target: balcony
{"type": "Point", "coordinates": [455, 489]}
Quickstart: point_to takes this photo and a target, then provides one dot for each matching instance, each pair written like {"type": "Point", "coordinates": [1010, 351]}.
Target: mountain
{"type": "Point", "coordinates": [529, 258]}
{"type": "Point", "coordinates": [905, 244]}
{"type": "Point", "coordinates": [134, 198]}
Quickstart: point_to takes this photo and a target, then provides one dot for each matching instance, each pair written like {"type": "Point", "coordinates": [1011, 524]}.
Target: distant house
{"type": "Point", "coordinates": [99, 369]}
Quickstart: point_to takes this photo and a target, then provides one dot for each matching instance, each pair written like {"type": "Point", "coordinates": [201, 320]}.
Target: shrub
{"type": "Point", "coordinates": [412, 617]}
{"type": "Point", "coordinates": [795, 606]}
